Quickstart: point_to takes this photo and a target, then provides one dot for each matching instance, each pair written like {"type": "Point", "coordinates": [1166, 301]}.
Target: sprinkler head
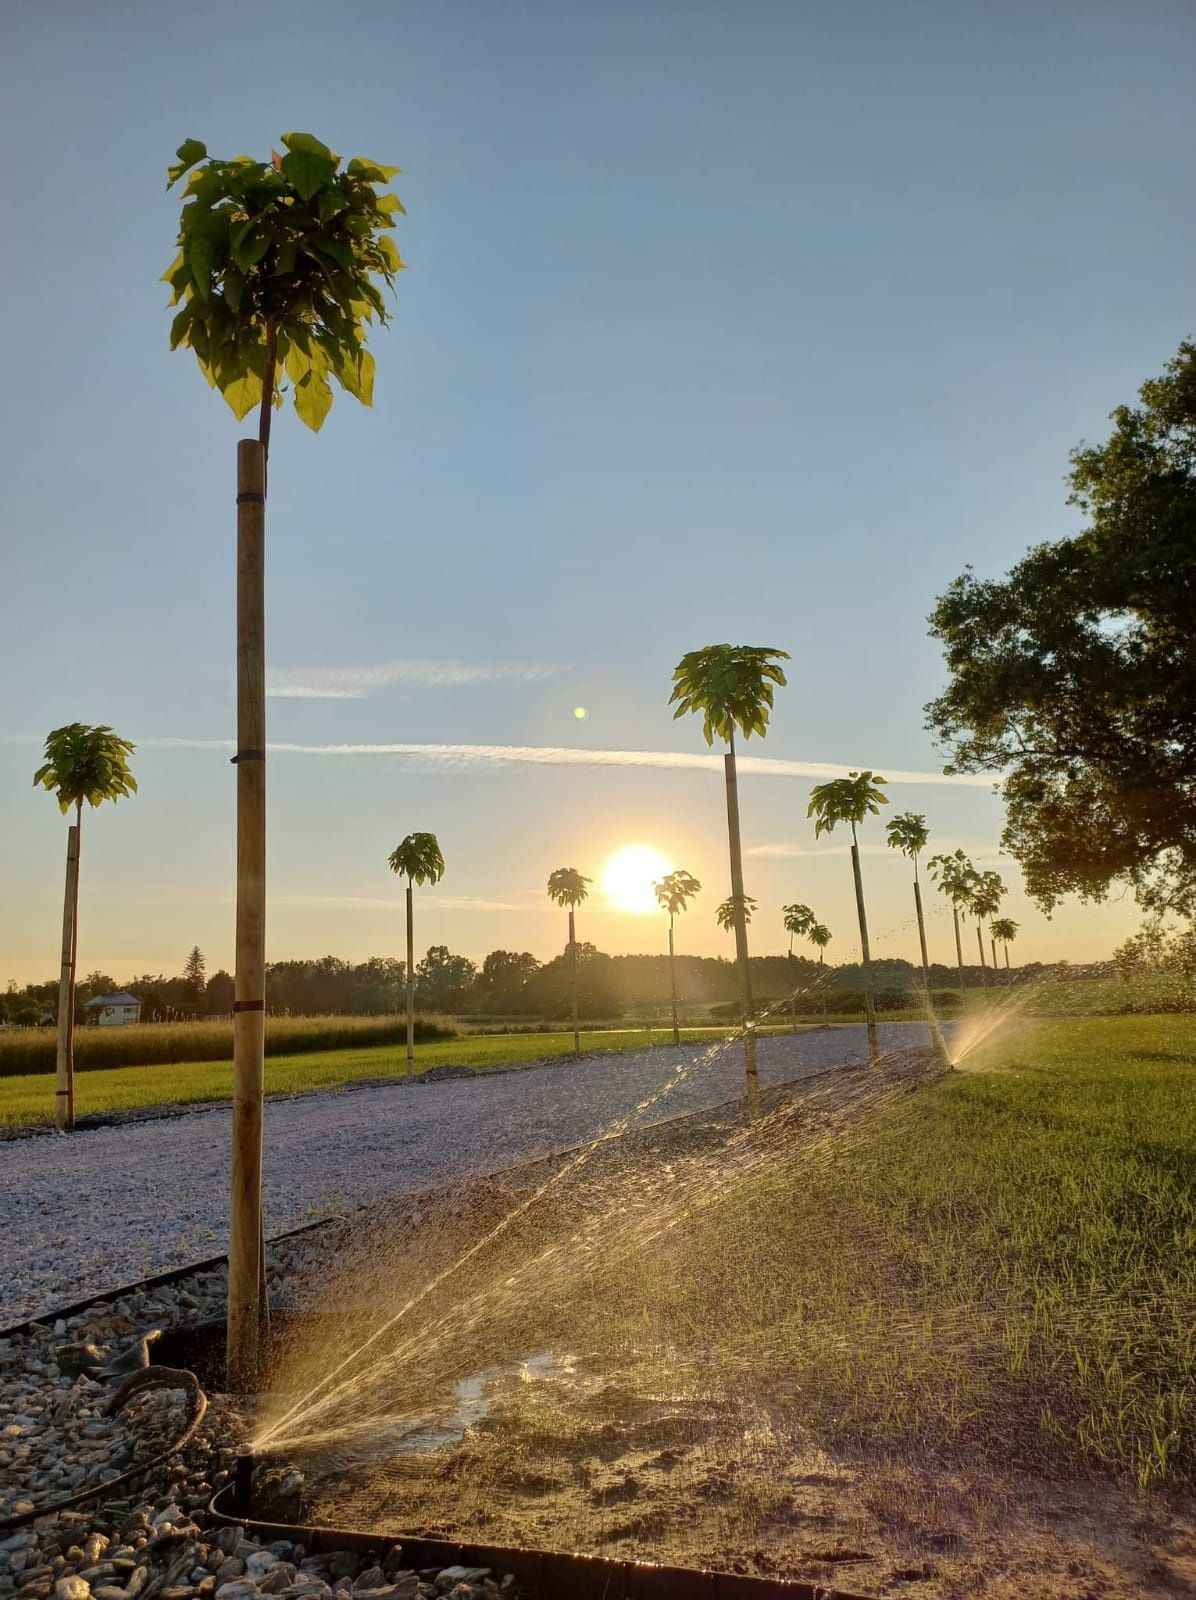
{"type": "Point", "coordinates": [242, 1484]}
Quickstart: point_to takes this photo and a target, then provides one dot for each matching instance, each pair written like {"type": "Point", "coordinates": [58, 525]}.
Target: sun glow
{"type": "Point", "coordinates": [629, 876]}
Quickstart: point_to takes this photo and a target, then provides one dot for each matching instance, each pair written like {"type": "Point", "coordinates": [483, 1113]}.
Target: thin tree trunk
{"type": "Point", "coordinates": [573, 981]}
{"type": "Point", "coordinates": [992, 944]}
{"type": "Point", "coordinates": [64, 1087]}
{"type": "Point", "coordinates": [983, 962]}
{"type": "Point", "coordinates": [935, 1034]}
{"type": "Point", "coordinates": [1008, 972]}
{"type": "Point", "coordinates": [673, 983]}
{"type": "Point", "coordinates": [792, 990]}
{"type": "Point", "coordinates": [869, 1003]}
{"type": "Point", "coordinates": [266, 410]}
{"type": "Point", "coordinates": [741, 943]}
{"type": "Point", "coordinates": [958, 953]}
{"type": "Point", "coordinates": [826, 1021]}
{"type": "Point", "coordinates": [246, 1254]}
{"type": "Point", "coordinates": [410, 980]}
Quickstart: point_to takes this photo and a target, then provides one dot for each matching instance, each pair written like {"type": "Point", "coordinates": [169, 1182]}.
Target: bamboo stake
{"type": "Point", "coordinates": [246, 1257]}
{"type": "Point", "coordinates": [673, 983]}
{"type": "Point", "coordinates": [64, 1087]}
{"type": "Point", "coordinates": [741, 944]}
{"type": "Point", "coordinates": [958, 953]}
{"type": "Point", "coordinates": [869, 1003]}
{"type": "Point", "coordinates": [573, 971]}
{"type": "Point", "coordinates": [410, 980]}
{"type": "Point", "coordinates": [936, 1036]}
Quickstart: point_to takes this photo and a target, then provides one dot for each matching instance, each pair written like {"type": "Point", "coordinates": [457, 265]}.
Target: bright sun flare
{"type": "Point", "coordinates": [629, 875]}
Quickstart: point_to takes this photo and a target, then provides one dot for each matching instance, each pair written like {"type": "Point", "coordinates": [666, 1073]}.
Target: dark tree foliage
{"type": "Point", "coordinates": [1075, 675]}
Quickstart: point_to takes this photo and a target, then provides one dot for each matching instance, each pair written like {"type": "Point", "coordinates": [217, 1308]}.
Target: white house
{"type": "Point", "coordinates": [113, 1010]}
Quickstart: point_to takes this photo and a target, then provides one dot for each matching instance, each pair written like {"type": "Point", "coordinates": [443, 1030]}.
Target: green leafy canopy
{"type": "Point", "coordinates": [799, 920]}
{"type": "Point", "coordinates": [908, 833]}
{"type": "Point", "coordinates": [955, 876]}
{"type": "Point", "coordinates": [284, 258]}
{"type": "Point", "coordinates": [725, 912]}
{"type": "Point", "coordinates": [86, 764]}
{"type": "Point", "coordinates": [567, 887]}
{"type": "Point", "coordinates": [849, 799]}
{"type": "Point", "coordinates": [731, 686]}
{"type": "Point", "coordinates": [676, 890]}
{"type": "Point", "coordinates": [418, 859]}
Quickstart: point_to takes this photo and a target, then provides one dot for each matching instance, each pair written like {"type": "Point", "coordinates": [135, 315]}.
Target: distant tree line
{"type": "Point", "coordinates": [507, 983]}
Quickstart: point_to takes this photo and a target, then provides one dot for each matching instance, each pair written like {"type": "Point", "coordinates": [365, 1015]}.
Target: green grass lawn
{"type": "Point", "coordinates": [1000, 1267]}
{"type": "Point", "coordinates": [30, 1098]}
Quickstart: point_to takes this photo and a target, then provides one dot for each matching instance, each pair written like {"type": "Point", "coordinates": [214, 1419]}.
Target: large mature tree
{"type": "Point", "coordinates": [674, 892]}
{"type": "Point", "coordinates": [799, 919]}
{"type": "Point", "coordinates": [567, 887]}
{"type": "Point", "coordinates": [852, 800]}
{"type": "Point", "coordinates": [83, 764]}
{"type": "Point", "coordinates": [1075, 674]}
{"type": "Point", "coordinates": [956, 878]}
{"type": "Point", "coordinates": [908, 833]}
{"type": "Point", "coordinates": [731, 688]}
{"type": "Point", "coordinates": [418, 859]}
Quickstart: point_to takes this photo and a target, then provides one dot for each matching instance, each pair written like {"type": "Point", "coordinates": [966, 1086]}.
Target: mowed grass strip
{"type": "Point", "coordinates": [29, 1097]}
{"type": "Point", "coordinates": [1000, 1268]}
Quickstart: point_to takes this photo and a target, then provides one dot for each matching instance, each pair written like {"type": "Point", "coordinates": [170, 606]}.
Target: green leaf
{"type": "Point", "coordinates": [390, 202]}
{"type": "Point", "coordinates": [371, 171]}
{"type": "Point", "coordinates": [307, 172]}
{"type": "Point", "coordinates": [243, 394]}
{"type": "Point", "coordinates": [189, 152]}
{"type": "Point", "coordinates": [180, 325]}
{"type": "Point", "coordinates": [313, 401]}
{"type": "Point", "coordinates": [390, 253]}
{"type": "Point", "coordinates": [330, 202]}
{"type": "Point", "coordinates": [306, 144]}
{"type": "Point", "coordinates": [201, 258]}
{"type": "Point", "coordinates": [249, 247]}
{"type": "Point", "coordinates": [234, 288]}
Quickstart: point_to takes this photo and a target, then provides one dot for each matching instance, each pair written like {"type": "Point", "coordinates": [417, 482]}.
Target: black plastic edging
{"type": "Point", "coordinates": [554, 1575]}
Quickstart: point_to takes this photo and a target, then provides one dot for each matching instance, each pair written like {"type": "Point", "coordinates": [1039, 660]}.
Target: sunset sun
{"type": "Point", "coordinates": [629, 876]}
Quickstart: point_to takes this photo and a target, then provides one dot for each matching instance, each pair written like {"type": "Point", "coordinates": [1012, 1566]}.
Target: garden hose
{"type": "Point", "coordinates": [136, 1382]}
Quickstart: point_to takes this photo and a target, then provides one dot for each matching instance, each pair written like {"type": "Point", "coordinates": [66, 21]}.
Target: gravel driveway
{"type": "Point", "coordinates": [108, 1206]}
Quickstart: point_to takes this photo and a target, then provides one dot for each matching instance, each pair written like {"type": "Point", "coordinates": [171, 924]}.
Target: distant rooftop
{"type": "Point", "coordinates": [124, 998]}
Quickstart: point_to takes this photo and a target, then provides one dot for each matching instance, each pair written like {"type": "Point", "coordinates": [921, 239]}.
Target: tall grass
{"type": "Point", "coordinates": [154, 1044]}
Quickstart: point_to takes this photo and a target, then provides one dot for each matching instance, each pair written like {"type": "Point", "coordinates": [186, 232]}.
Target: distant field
{"type": "Point", "coordinates": [29, 1097]}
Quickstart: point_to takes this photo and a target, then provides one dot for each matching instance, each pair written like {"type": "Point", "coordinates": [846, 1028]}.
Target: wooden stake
{"type": "Point", "coordinates": [64, 1088]}
{"type": "Point", "coordinates": [741, 945]}
{"type": "Point", "coordinates": [246, 1225]}
{"type": "Point", "coordinates": [410, 982]}
{"type": "Point", "coordinates": [573, 972]}
{"type": "Point", "coordinates": [869, 1002]}
{"type": "Point", "coordinates": [936, 1036]}
{"type": "Point", "coordinates": [673, 983]}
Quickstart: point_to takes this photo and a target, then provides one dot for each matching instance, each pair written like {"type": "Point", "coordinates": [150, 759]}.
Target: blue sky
{"type": "Point", "coordinates": [749, 322]}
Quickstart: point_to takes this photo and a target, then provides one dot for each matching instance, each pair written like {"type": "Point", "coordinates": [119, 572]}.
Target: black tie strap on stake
{"type": "Point", "coordinates": [249, 1005]}
{"type": "Point", "coordinates": [253, 497]}
{"type": "Point", "coordinates": [247, 755]}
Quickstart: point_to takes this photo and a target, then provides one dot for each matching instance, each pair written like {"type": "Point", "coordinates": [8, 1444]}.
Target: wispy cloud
{"type": "Point", "coordinates": [393, 905]}
{"type": "Point", "coordinates": [466, 756]}
{"type": "Point", "coordinates": [354, 683]}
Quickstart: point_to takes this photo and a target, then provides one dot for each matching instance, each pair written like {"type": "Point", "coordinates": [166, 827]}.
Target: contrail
{"type": "Point", "coordinates": [354, 683]}
{"type": "Point", "coordinates": [465, 756]}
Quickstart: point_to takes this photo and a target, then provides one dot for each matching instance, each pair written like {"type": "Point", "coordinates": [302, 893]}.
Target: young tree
{"type": "Point", "coordinates": [418, 859]}
{"type": "Point", "coordinates": [274, 277]}
{"type": "Point", "coordinates": [799, 920]}
{"type": "Point", "coordinates": [195, 975]}
{"type": "Point", "coordinates": [851, 800]}
{"type": "Point", "coordinates": [987, 893]}
{"type": "Point", "coordinates": [724, 912]}
{"type": "Point", "coordinates": [1075, 675]}
{"type": "Point", "coordinates": [674, 892]}
{"type": "Point", "coordinates": [1004, 931]}
{"type": "Point", "coordinates": [567, 887]}
{"type": "Point", "coordinates": [731, 687]}
{"type": "Point", "coordinates": [819, 936]}
{"type": "Point", "coordinates": [82, 763]}
{"type": "Point", "coordinates": [955, 876]}
{"type": "Point", "coordinates": [908, 833]}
